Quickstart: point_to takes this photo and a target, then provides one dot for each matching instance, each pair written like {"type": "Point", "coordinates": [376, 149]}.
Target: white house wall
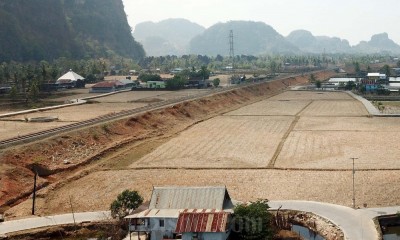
{"type": "Point", "coordinates": [158, 232]}
{"type": "Point", "coordinates": [206, 236]}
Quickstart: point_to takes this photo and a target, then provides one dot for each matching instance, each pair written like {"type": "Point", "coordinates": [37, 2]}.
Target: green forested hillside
{"type": "Point", "coordinates": [49, 29]}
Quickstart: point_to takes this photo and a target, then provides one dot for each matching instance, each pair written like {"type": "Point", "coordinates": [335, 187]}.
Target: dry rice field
{"type": "Point", "coordinates": [309, 96]}
{"type": "Point", "coordinates": [295, 129]}
{"type": "Point", "coordinates": [223, 142]}
{"type": "Point", "coordinates": [271, 108]}
{"type": "Point", "coordinates": [294, 146]}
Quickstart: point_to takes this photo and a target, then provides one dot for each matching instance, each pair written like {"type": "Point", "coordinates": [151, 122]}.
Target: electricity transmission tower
{"type": "Point", "coordinates": [231, 49]}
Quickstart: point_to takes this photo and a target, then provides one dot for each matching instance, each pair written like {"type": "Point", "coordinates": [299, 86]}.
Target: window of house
{"type": "Point", "coordinates": [161, 222]}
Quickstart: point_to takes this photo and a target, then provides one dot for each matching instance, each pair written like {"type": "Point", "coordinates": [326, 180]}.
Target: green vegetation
{"type": "Point", "coordinates": [253, 221]}
{"type": "Point", "coordinates": [216, 82]}
{"type": "Point", "coordinates": [312, 78]}
{"type": "Point", "coordinates": [177, 82]}
{"type": "Point", "coordinates": [106, 128]}
{"type": "Point", "coordinates": [381, 90]}
{"type": "Point", "coordinates": [78, 30]}
{"type": "Point", "coordinates": [318, 84]}
{"type": "Point", "coordinates": [34, 92]}
{"type": "Point", "coordinates": [350, 85]}
{"type": "Point", "coordinates": [357, 68]}
{"type": "Point", "coordinates": [145, 77]}
{"type": "Point", "coordinates": [126, 202]}
{"type": "Point", "coordinates": [13, 93]}
{"type": "Point", "coordinates": [386, 70]}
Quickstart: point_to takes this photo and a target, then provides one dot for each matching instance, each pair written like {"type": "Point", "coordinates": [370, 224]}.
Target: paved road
{"type": "Point", "coordinates": [368, 105]}
{"type": "Point", "coordinates": [37, 222]}
{"type": "Point", "coordinates": [356, 224]}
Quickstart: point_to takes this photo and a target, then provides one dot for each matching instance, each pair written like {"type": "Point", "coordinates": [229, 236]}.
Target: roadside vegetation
{"type": "Point", "coordinates": [253, 221]}
{"type": "Point", "coordinates": [126, 202]}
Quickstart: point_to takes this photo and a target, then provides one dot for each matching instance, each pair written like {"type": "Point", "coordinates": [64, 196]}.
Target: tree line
{"type": "Point", "coordinates": [24, 75]}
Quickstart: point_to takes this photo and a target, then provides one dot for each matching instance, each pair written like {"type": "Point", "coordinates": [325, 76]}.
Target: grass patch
{"type": "Point", "coordinates": [391, 103]}
{"type": "Point", "coordinates": [131, 154]}
{"type": "Point", "coordinates": [106, 128]}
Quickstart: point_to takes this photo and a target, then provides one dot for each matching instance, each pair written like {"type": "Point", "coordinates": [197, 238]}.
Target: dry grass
{"type": "Point", "coordinates": [365, 124]}
{"type": "Point", "coordinates": [333, 150]}
{"type": "Point", "coordinates": [268, 107]}
{"type": "Point", "coordinates": [99, 189]}
{"type": "Point", "coordinates": [225, 141]}
{"type": "Point", "coordinates": [316, 142]}
{"type": "Point", "coordinates": [314, 95]}
{"type": "Point", "coordinates": [335, 108]}
{"type": "Point", "coordinates": [392, 107]}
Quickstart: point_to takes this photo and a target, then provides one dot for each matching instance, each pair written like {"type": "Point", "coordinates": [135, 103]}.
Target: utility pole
{"type": "Point", "coordinates": [72, 210]}
{"type": "Point", "coordinates": [34, 190]}
{"type": "Point", "coordinates": [354, 194]}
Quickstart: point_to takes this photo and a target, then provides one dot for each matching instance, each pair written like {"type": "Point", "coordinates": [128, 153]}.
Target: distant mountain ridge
{"type": "Point", "coordinates": [168, 37]}
{"type": "Point", "coordinates": [309, 43]}
{"type": "Point", "coordinates": [49, 29]}
{"type": "Point", "coordinates": [251, 38]}
{"type": "Point", "coordinates": [379, 43]}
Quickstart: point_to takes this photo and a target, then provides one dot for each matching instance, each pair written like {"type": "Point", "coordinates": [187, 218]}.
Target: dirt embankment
{"type": "Point", "coordinates": [56, 158]}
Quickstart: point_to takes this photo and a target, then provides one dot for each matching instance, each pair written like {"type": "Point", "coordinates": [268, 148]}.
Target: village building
{"type": "Point", "coordinates": [338, 82]}
{"type": "Point", "coordinates": [69, 80]}
{"type": "Point", "coordinates": [155, 84]}
{"type": "Point", "coordinates": [373, 81]}
{"type": "Point", "coordinates": [185, 213]}
{"type": "Point", "coordinates": [111, 86]}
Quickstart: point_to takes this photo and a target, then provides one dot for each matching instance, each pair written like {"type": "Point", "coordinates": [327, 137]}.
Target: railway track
{"type": "Point", "coordinates": [113, 116]}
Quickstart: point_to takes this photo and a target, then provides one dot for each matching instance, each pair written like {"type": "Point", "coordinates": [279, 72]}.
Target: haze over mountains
{"type": "Point", "coordinates": [168, 37]}
{"type": "Point", "coordinates": [180, 36]}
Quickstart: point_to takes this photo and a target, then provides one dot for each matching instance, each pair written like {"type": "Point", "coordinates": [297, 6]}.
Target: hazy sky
{"type": "Point", "coordinates": [354, 20]}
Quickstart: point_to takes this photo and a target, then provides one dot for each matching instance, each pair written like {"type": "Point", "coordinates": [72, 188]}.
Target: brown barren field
{"type": "Point", "coordinates": [96, 191]}
{"type": "Point", "coordinates": [268, 108]}
{"type": "Point", "coordinates": [100, 106]}
{"type": "Point", "coordinates": [308, 154]}
{"type": "Point", "coordinates": [335, 108]}
{"type": "Point", "coordinates": [226, 141]}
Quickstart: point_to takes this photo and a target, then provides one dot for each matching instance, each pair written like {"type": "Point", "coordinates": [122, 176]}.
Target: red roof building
{"type": "Point", "coordinates": [197, 222]}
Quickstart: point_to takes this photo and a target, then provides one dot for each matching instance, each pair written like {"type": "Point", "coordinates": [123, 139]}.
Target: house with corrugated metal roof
{"type": "Point", "coordinates": [185, 213]}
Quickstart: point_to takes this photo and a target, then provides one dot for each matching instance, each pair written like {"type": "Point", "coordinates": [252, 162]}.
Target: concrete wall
{"type": "Point", "coordinates": [158, 232]}
{"type": "Point", "coordinates": [205, 236]}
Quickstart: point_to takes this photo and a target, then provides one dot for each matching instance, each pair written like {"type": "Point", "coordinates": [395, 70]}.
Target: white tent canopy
{"type": "Point", "coordinates": [71, 76]}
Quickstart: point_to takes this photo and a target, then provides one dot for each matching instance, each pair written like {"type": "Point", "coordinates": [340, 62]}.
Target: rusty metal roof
{"type": "Point", "coordinates": [190, 198]}
{"type": "Point", "coordinates": [172, 213]}
{"type": "Point", "coordinates": [202, 221]}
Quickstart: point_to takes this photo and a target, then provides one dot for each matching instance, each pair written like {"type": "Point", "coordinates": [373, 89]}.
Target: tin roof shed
{"type": "Point", "coordinates": [190, 198]}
